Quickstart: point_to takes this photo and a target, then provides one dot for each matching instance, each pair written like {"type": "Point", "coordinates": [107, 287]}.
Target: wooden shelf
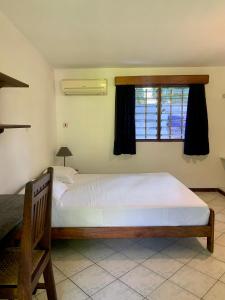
{"type": "Point", "coordinates": [7, 81]}
{"type": "Point", "coordinates": [11, 126]}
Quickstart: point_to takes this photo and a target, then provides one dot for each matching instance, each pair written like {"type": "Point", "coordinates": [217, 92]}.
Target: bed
{"type": "Point", "coordinates": [127, 206]}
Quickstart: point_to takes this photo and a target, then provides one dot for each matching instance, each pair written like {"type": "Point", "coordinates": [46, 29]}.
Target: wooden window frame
{"type": "Point", "coordinates": [158, 139]}
{"type": "Point", "coordinates": [167, 80]}
{"type": "Point", "coordinates": [161, 81]}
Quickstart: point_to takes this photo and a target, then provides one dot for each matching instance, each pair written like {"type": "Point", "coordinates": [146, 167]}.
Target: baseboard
{"type": "Point", "coordinates": [221, 191]}
{"type": "Point", "coordinates": [218, 190]}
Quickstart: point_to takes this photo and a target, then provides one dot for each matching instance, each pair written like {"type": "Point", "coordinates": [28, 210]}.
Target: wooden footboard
{"type": "Point", "coordinates": [138, 232]}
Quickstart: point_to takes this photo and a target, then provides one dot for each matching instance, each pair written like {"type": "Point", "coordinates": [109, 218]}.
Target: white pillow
{"type": "Point", "coordinates": [59, 188]}
{"type": "Point", "coordinates": [64, 174]}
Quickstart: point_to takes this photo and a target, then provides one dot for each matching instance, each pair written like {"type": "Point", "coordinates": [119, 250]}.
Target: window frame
{"type": "Point", "coordinates": [159, 86]}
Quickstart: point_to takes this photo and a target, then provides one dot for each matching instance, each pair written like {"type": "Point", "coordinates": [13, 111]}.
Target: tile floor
{"type": "Point", "coordinates": [133, 269]}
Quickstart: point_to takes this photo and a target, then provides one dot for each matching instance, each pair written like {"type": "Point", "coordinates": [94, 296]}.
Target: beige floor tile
{"type": "Point", "coordinates": [162, 264]}
{"type": "Point", "coordinates": [79, 245]}
{"type": "Point", "coordinates": [208, 265]}
{"type": "Point", "coordinates": [219, 226]}
{"type": "Point", "coordinates": [92, 279]}
{"type": "Point", "coordinates": [222, 278]}
{"type": "Point", "coordinates": [219, 200]}
{"type": "Point", "coordinates": [169, 290]}
{"type": "Point", "coordinates": [219, 252]}
{"type": "Point", "coordinates": [193, 281]}
{"type": "Point", "coordinates": [216, 293]}
{"type": "Point", "coordinates": [180, 253]}
{"type": "Point", "coordinates": [196, 244]}
{"type": "Point", "coordinates": [117, 291]}
{"type": "Point", "coordinates": [217, 234]}
{"type": "Point", "coordinates": [203, 242]}
{"type": "Point", "coordinates": [207, 196]}
{"type": "Point", "coordinates": [117, 264]}
{"type": "Point", "coordinates": [120, 244]}
{"type": "Point", "coordinates": [217, 204]}
{"type": "Point", "coordinates": [220, 216]}
{"type": "Point", "coordinates": [61, 251]}
{"type": "Point", "coordinates": [57, 244]}
{"type": "Point", "coordinates": [221, 240]}
{"type": "Point", "coordinates": [156, 244]}
{"type": "Point", "coordinates": [72, 264]}
{"type": "Point", "coordinates": [138, 252]}
{"type": "Point", "coordinates": [97, 251]}
{"type": "Point", "coordinates": [58, 276]}
{"type": "Point", "coordinates": [217, 208]}
{"type": "Point", "coordinates": [142, 280]}
{"type": "Point", "coordinates": [66, 290]}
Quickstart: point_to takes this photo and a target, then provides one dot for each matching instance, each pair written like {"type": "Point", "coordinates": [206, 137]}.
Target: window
{"type": "Point", "coordinates": [160, 113]}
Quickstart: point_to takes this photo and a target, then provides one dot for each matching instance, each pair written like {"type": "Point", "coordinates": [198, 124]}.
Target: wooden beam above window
{"type": "Point", "coordinates": [162, 80]}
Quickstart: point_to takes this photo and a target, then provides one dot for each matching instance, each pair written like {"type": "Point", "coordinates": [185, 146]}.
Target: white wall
{"type": "Point", "coordinates": [90, 133]}
{"type": "Point", "coordinates": [24, 153]}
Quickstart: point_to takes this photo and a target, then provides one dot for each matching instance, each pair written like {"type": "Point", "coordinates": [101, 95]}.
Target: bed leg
{"type": "Point", "coordinates": [210, 239]}
{"type": "Point", "coordinates": [210, 244]}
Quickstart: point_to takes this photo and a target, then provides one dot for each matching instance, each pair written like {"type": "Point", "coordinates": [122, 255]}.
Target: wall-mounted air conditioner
{"type": "Point", "coordinates": [84, 86]}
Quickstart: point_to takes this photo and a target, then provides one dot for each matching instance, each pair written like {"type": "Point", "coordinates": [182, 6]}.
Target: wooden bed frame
{"type": "Point", "coordinates": [139, 232]}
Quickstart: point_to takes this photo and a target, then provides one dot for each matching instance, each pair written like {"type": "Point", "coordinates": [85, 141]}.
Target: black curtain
{"type": "Point", "coordinates": [196, 132]}
{"type": "Point", "coordinates": [125, 141]}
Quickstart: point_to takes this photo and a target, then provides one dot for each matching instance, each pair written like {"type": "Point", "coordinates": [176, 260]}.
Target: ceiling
{"type": "Point", "coordinates": [101, 33]}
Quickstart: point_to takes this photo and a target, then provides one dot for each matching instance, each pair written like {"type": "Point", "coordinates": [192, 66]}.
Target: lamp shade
{"type": "Point", "coordinates": [64, 151]}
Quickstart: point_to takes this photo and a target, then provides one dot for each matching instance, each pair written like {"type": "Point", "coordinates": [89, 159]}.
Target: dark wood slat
{"type": "Point", "coordinates": [7, 81]}
{"type": "Point", "coordinates": [162, 80]}
{"type": "Point", "coordinates": [130, 232]}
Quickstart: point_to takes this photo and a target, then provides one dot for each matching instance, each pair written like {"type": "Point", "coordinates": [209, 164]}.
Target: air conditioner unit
{"type": "Point", "coordinates": [84, 86]}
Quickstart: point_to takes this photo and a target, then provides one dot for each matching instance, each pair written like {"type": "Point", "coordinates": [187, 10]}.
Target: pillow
{"type": "Point", "coordinates": [59, 188]}
{"type": "Point", "coordinates": [64, 174]}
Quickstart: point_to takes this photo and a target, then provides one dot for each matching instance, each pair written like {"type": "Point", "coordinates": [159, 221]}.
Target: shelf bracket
{"type": "Point", "coordinates": [1, 130]}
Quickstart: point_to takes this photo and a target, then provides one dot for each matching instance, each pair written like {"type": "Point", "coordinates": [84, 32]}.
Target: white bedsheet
{"type": "Point", "coordinates": [148, 199]}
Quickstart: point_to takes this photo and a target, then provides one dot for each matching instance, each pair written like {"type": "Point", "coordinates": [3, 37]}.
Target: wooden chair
{"type": "Point", "coordinates": [21, 268]}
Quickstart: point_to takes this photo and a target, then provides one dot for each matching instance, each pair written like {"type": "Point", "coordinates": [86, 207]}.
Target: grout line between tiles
{"type": "Point", "coordinates": [184, 264]}
{"type": "Point", "coordinates": [79, 287]}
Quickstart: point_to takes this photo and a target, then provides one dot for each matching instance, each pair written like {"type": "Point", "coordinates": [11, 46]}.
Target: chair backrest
{"type": "Point", "coordinates": [37, 212]}
{"type": "Point", "coordinates": [36, 229]}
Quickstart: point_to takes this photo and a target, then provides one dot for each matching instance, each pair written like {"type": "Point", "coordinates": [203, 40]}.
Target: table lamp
{"type": "Point", "coordinates": [64, 152]}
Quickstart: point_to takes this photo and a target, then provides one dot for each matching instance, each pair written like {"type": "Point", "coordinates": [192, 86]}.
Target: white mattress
{"type": "Point", "coordinates": [149, 199]}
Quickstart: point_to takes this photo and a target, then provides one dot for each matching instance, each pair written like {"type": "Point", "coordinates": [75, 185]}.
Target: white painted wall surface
{"type": "Point", "coordinates": [90, 133]}
{"type": "Point", "coordinates": [24, 153]}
